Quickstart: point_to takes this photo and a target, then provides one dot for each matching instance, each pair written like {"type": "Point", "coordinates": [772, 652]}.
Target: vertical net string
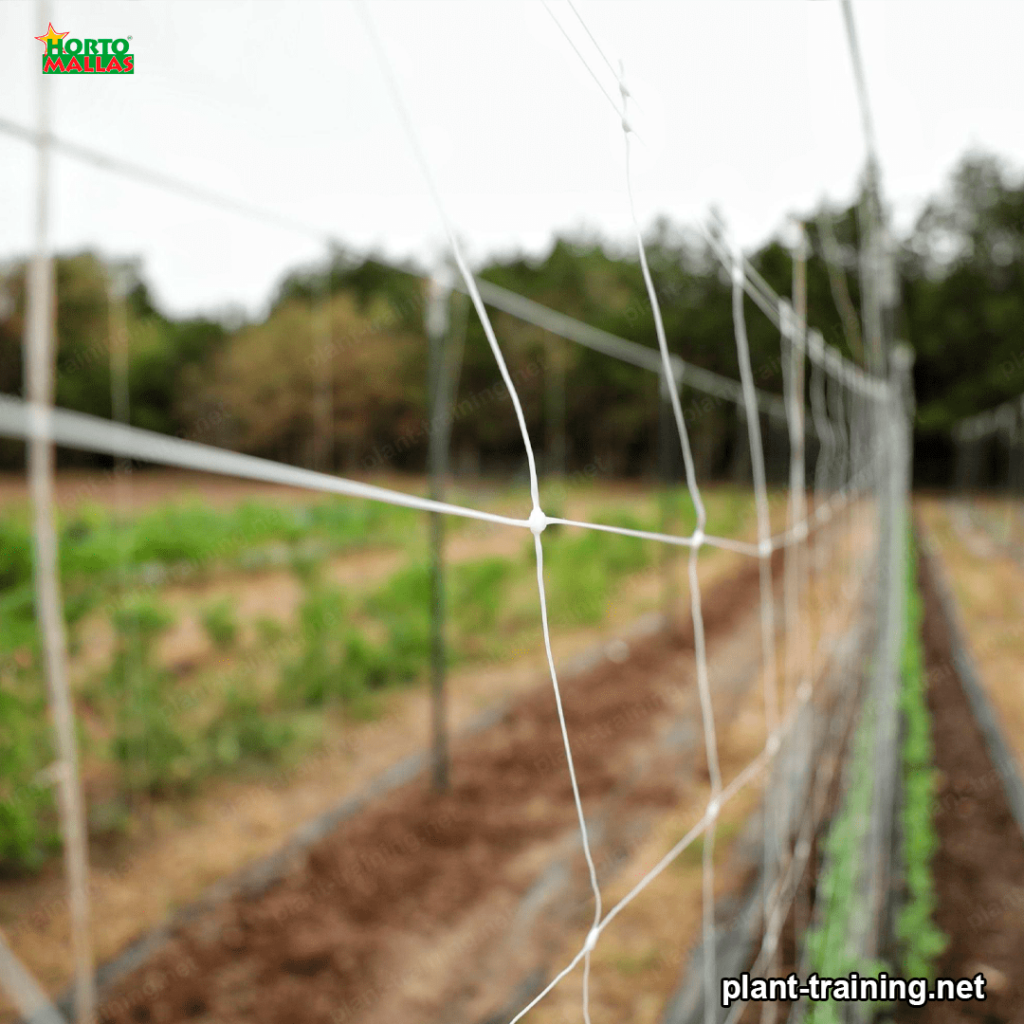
{"type": "Point", "coordinates": [537, 519]}
{"type": "Point", "coordinates": [696, 611]}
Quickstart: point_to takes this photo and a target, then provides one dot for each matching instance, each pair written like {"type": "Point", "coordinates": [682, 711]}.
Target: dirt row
{"type": "Point", "coordinates": [979, 867]}
{"type": "Point", "coordinates": [330, 940]}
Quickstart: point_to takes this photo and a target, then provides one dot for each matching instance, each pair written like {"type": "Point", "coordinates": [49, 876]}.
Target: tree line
{"type": "Point", "coordinates": [353, 327]}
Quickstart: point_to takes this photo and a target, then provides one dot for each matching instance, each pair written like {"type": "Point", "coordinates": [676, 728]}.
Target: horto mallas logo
{"type": "Point", "coordinates": [85, 56]}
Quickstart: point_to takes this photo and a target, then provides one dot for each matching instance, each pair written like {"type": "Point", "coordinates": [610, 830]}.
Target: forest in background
{"type": "Point", "coordinates": [252, 386]}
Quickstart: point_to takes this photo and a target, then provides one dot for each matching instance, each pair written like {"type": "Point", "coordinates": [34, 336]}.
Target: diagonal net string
{"type": "Point", "coordinates": [583, 60]}
{"type": "Point", "coordinates": [537, 520]}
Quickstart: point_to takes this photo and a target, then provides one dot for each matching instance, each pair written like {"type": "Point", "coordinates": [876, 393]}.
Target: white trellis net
{"type": "Point", "coordinates": [857, 421]}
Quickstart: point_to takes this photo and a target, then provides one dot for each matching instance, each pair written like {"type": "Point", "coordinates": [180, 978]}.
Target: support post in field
{"type": "Point", "coordinates": [1017, 497]}
{"type": "Point", "coordinates": [40, 364]}
{"type": "Point", "coordinates": [437, 412]}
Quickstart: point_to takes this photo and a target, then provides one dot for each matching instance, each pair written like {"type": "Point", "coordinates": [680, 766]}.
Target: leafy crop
{"type": "Point", "coordinates": [920, 939]}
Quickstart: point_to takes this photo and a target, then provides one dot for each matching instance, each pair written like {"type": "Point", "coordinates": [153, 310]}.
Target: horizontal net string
{"type": "Point", "coordinates": [781, 315]}
{"type": "Point", "coordinates": [620, 348]}
{"type": "Point", "coordinates": [80, 431]}
{"type": "Point", "coordinates": [1002, 417]}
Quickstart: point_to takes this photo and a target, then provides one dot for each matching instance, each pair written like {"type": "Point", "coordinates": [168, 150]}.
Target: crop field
{"type": "Point", "coordinates": [267, 654]}
{"type": "Point", "coordinates": [201, 637]}
{"type": "Point", "coordinates": [243, 663]}
{"type": "Point", "coordinates": [326, 637]}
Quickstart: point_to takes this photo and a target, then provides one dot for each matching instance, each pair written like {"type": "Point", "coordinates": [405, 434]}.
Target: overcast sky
{"type": "Point", "coordinates": [746, 105]}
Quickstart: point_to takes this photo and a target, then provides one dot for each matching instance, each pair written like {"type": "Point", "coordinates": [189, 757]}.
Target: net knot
{"type": "Point", "coordinates": [537, 521]}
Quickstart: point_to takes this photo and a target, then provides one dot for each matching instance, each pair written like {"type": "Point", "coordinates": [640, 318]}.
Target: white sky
{"type": "Point", "coordinates": [747, 105]}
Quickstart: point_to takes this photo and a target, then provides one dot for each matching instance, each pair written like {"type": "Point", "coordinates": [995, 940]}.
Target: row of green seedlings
{"type": "Point", "coordinates": [176, 541]}
{"type": "Point", "coordinates": [152, 738]}
{"type": "Point", "coordinates": [919, 942]}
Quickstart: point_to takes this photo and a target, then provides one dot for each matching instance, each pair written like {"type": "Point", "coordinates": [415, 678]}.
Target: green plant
{"type": "Point", "coordinates": [402, 606]}
{"type": "Point", "coordinates": [28, 826]}
{"type": "Point", "coordinates": [246, 729]}
{"type": "Point", "coordinates": [336, 661]}
{"type": "Point", "coordinates": [475, 592]}
{"type": "Point", "coordinates": [838, 884]}
{"type": "Point", "coordinates": [138, 619]}
{"type": "Point", "coordinates": [220, 624]}
{"type": "Point", "coordinates": [921, 941]}
{"type": "Point", "coordinates": [148, 742]}
{"type": "Point", "coordinates": [315, 675]}
{"type": "Point", "coordinates": [269, 631]}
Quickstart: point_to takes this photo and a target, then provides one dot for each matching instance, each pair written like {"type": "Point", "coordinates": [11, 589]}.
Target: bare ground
{"type": "Point", "coordinates": [989, 587]}
{"type": "Point", "coordinates": [979, 867]}
{"type": "Point", "coordinates": [412, 911]}
{"type": "Point", "coordinates": [343, 930]}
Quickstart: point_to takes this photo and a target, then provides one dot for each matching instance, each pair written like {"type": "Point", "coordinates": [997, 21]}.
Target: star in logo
{"type": "Point", "coordinates": [51, 35]}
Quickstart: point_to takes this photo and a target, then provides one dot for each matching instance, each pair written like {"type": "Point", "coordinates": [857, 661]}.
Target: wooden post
{"type": "Point", "coordinates": [1017, 497]}
{"type": "Point", "coordinates": [40, 361]}
{"type": "Point", "coordinates": [437, 331]}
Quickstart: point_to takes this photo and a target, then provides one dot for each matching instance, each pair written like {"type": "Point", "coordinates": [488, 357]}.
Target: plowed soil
{"type": "Point", "coordinates": [325, 942]}
{"type": "Point", "coordinates": [979, 867]}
